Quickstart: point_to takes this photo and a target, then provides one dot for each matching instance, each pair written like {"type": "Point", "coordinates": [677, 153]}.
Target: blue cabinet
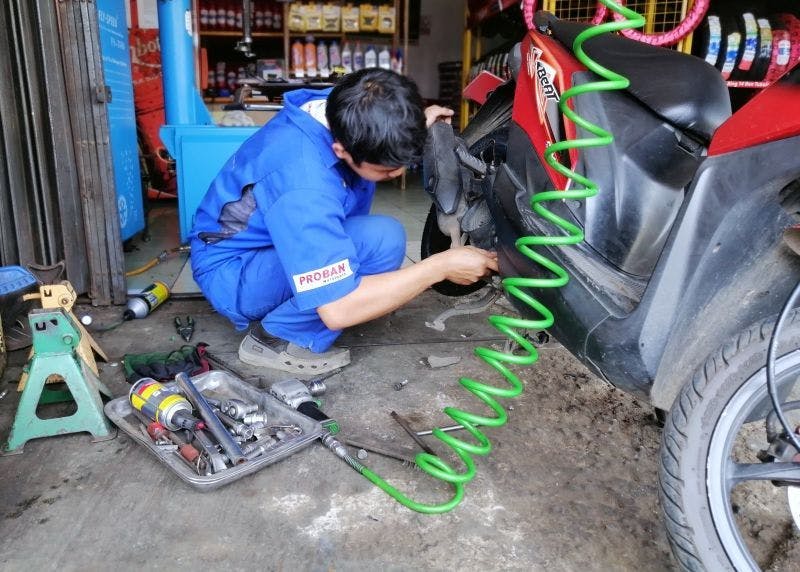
{"type": "Point", "coordinates": [121, 115]}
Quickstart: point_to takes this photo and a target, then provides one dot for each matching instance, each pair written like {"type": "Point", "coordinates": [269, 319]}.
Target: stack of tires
{"type": "Point", "coordinates": [749, 46]}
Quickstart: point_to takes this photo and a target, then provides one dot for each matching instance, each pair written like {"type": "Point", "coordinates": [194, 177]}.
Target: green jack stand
{"type": "Point", "coordinates": [55, 343]}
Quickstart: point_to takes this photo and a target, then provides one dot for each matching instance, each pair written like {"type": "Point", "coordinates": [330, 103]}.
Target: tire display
{"type": "Point", "coordinates": [750, 45]}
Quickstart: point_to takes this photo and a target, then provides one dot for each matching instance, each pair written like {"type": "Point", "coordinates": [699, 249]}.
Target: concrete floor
{"type": "Point", "coordinates": [569, 485]}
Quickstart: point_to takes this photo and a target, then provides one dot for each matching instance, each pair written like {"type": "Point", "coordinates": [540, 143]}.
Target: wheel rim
{"type": "Point", "coordinates": [723, 473]}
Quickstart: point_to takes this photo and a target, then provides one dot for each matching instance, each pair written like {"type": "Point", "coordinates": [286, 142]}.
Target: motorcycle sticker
{"type": "Point", "coordinates": [547, 96]}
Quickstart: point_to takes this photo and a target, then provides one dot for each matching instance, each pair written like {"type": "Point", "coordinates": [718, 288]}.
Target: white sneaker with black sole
{"type": "Point", "coordinates": [261, 349]}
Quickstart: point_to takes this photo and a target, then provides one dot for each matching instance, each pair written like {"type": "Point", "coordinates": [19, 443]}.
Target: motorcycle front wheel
{"type": "Point", "coordinates": [724, 508]}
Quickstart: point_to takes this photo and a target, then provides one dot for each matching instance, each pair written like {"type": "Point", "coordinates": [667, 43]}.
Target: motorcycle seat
{"type": "Point", "coordinates": [684, 90]}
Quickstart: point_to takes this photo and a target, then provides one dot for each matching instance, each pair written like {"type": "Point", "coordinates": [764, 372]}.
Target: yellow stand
{"type": "Point", "coordinates": [63, 296]}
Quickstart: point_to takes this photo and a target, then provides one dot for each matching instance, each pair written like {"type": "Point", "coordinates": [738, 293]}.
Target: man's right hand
{"type": "Point", "coordinates": [466, 264]}
{"type": "Point", "coordinates": [379, 294]}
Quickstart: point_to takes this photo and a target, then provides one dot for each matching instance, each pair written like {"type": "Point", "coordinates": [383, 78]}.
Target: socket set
{"type": "Point", "coordinates": [250, 428]}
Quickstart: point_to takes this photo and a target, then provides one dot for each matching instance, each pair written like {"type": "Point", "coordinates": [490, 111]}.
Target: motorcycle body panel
{"type": "Point", "coordinates": [772, 114]}
{"type": "Point", "coordinates": [684, 248]}
{"type": "Point", "coordinates": [546, 73]}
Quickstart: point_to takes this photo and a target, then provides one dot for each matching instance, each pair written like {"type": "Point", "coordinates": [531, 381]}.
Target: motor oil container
{"type": "Point", "coordinates": [335, 56]}
{"type": "Point", "coordinates": [370, 58]}
{"type": "Point", "coordinates": [385, 58]}
{"type": "Point", "coordinates": [311, 57]}
{"type": "Point", "coordinates": [347, 58]}
{"type": "Point", "coordinates": [140, 305]}
{"type": "Point", "coordinates": [322, 60]}
{"type": "Point", "coordinates": [298, 59]}
{"type": "Point", "coordinates": [358, 58]}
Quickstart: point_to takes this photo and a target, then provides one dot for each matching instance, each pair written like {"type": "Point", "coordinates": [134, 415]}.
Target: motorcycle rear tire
{"type": "Point", "coordinates": [698, 439]}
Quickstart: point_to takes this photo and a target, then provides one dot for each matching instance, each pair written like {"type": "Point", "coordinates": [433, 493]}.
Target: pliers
{"type": "Point", "coordinates": [185, 331]}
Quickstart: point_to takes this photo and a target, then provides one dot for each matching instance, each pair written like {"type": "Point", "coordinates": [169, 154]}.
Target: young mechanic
{"type": "Point", "coordinates": [283, 236]}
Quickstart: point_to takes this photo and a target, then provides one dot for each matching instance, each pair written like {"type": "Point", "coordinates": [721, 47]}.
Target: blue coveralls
{"type": "Point", "coordinates": [284, 228]}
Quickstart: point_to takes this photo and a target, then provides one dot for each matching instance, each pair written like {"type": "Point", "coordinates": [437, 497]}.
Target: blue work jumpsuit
{"type": "Point", "coordinates": [284, 229]}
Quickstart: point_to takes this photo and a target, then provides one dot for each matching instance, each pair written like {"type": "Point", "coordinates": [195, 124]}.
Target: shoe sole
{"type": "Point", "coordinates": [289, 363]}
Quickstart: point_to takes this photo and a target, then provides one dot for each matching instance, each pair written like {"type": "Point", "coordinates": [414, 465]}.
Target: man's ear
{"type": "Point", "coordinates": [338, 150]}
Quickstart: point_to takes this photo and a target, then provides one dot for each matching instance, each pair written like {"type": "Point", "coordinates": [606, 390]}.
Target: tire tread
{"type": "Point", "coordinates": [675, 434]}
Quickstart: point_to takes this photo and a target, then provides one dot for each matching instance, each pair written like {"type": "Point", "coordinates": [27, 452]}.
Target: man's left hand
{"type": "Point", "coordinates": [436, 113]}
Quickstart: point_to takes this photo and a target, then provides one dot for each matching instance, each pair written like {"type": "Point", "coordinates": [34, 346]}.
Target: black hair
{"type": "Point", "coordinates": [377, 116]}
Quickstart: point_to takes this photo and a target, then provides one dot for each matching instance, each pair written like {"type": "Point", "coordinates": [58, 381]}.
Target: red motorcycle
{"type": "Point", "coordinates": [687, 261]}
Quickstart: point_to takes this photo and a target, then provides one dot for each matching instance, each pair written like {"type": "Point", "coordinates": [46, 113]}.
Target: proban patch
{"type": "Point", "coordinates": [322, 276]}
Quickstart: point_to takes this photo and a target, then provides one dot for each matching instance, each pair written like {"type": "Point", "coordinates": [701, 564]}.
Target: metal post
{"type": "Point", "coordinates": [182, 103]}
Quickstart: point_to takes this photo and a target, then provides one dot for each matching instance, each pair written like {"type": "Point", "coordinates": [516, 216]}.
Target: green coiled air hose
{"type": "Point", "coordinates": [512, 327]}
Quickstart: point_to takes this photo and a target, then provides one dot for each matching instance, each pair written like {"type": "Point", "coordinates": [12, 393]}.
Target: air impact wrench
{"type": "Point", "coordinates": [296, 395]}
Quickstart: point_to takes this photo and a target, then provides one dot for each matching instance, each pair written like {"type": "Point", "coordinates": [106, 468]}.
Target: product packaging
{"type": "Point", "coordinates": [386, 19]}
{"type": "Point", "coordinates": [368, 18]}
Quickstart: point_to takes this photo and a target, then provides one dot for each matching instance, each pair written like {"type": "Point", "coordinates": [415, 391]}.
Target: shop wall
{"type": "Point", "coordinates": [440, 39]}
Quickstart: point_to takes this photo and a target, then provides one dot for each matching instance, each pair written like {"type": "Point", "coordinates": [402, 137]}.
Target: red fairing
{"type": "Point", "coordinates": [478, 89]}
{"type": "Point", "coordinates": [771, 115]}
{"type": "Point", "coordinates": [547, 70]}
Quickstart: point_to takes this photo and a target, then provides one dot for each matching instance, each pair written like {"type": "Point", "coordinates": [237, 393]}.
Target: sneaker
{"type": "Point", "coordinates": [261, 349]}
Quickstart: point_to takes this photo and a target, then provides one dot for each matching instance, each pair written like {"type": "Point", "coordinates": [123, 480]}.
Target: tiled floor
{"type": "Point", "coordinates": [410, 206]}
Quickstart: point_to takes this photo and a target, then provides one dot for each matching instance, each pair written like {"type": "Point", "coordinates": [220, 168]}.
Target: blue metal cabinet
{"type": "Point", "coordinates": [121, 115]}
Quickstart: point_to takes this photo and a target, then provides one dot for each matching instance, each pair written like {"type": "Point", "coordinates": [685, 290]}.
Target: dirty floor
{"type": "Point", "coordinates": [570, 483]}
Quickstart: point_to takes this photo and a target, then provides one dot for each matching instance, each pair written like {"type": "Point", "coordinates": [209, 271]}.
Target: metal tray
{"type": "Point", "coordinates": [219, 384]}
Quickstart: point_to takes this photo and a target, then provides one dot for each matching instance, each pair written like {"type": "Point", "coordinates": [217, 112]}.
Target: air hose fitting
{"type": "Point", "coordinates": [512, 327]}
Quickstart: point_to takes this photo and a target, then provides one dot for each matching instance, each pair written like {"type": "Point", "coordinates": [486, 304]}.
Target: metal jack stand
{"type": "Point", "coordinates": [56, 339]}
{"type": "Point", "coordinates": [63, 296]}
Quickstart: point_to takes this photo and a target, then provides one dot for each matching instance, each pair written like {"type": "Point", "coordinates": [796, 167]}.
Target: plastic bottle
{"type": "Point", "coordinates": [212, 17]}
{"type": "Point", "coordinates": [258, 22]}
{"type": "Point", "coordinates": [230, 16]}
{"type": "Point", "coordinates": [298, 59]}
{"type": "Point", "coordinates": [322, 60]}
{"type": "Point", "coordinates": [140, 305]}
{"type": "Point", "coordinates": [334, 57]}
{"type": "Point", "coordinates": [358, 58]}
{"type": "Point", "coordinates": [267, 17]}
{"type": "Point", "coordinates": [347, 58]}
{"type": "Point", "coordinates": [397, 61]}
{"type": "Point", "coordinates": [370, 58]}
{"type": "Point", "coordinates": [385, 58]}
{"type": "Point", "coordinates": [277, 18]}
{"type": "Point", "coordinates": [311, 57]}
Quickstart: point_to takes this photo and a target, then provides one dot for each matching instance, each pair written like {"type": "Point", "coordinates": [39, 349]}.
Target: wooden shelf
{"type": "Point", "coordinates": [234, 34]}
{"type": "Point", "coordinates": [316, 34]}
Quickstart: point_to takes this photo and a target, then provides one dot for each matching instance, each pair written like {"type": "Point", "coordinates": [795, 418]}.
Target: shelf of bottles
{"type": "Point", "coordinates": [223, 18]}
{"type": "Point", "coordinates": [297, 42]}
{"type": "Point", "coordinates": [329, 39]}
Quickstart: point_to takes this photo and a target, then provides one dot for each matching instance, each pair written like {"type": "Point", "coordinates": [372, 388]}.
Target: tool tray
{"type": "Point", "coordinates": [221, 385]}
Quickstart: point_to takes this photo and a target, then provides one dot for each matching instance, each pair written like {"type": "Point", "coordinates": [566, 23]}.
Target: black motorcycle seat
{"type": "Point", "coordinates": [684, 90]}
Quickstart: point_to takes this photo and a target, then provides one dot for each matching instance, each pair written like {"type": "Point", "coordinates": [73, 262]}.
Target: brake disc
{"type": "Point", "coordinates": [793, 494]}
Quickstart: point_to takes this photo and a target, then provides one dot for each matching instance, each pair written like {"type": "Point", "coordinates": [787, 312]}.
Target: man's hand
{"type": "Point", "coordinates": [436, 113]}
{"type": "Point", "coordinates": [379, 294]}
{"type": "Point", "coordinates": [466, 264]}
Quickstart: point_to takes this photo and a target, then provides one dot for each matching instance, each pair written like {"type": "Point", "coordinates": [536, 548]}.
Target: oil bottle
{"type": "Point", "coordinates": [140, 305]}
